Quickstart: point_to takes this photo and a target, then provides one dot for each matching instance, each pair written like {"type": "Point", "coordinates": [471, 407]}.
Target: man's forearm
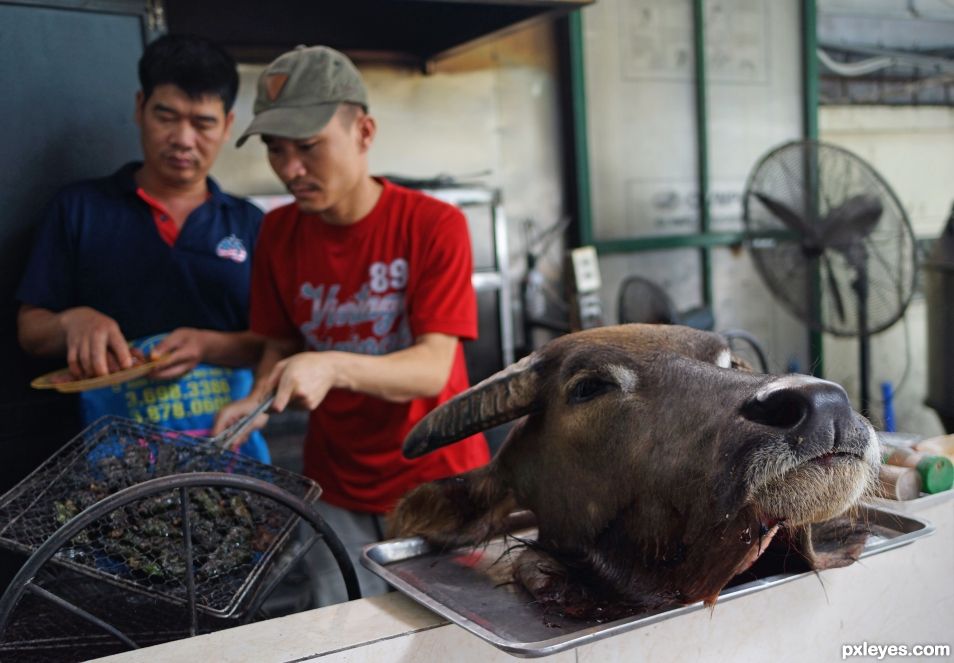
{"type": "Point", "coordinates": [40, 332]}
{"type": "Point", "coordinates": [233, 349]}
{"type": "Point", "coordinates": [420, 371]}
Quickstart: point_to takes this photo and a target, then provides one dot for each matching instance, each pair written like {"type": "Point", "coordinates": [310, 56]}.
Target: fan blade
{"type": "Point", "coordinates": [787, 216]}
{"type": "Point", "coordinates": [852, 221]}
{"type": "Point", "coordinates": [835, 290]}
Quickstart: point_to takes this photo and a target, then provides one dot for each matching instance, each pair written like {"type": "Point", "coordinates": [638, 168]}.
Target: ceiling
{"type": "Point", "coordinates": [413, 31]}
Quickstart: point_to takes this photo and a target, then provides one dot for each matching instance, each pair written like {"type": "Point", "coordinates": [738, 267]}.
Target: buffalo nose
{"type": "Point", "coordinates": [796, 401]}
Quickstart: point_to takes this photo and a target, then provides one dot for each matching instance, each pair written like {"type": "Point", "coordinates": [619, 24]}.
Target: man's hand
{"type": "Point", "coordinates": [94, 343]}
{"type": "Point", "coordinates": [235, 411]}
{"type": "Point", "coordinates": [180, 351]}
{"type": "Point", "coordinates": [302, 380]}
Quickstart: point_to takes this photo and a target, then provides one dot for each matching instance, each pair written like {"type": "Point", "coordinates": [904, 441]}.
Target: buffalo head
{"type": "Point", "coordinates": [657, 467]}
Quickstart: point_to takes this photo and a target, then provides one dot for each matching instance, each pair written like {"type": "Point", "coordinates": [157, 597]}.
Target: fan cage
{"type": "Point", "coordinates": [816, 283]}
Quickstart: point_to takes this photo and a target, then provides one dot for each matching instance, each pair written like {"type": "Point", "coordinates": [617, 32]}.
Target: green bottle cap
{"type": "Point", "coordinates": [937, 473]}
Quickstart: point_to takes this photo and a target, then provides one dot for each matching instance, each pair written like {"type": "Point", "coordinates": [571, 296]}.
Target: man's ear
{"type": "Point", "coordinates": [367, 129]}
{"type": "Point", "coordinates": [137, 116]}
{"type": "Point", "coordinates": [229, 120]}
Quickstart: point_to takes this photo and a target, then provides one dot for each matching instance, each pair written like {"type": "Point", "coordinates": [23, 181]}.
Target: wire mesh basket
{"type": "Point", "coordinates": [40, 631]}
{"type": "Point", "coordinates": [234, 535]}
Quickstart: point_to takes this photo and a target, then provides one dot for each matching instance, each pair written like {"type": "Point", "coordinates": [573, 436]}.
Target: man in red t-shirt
{"type": "Point", "coordinates": [362, 290]}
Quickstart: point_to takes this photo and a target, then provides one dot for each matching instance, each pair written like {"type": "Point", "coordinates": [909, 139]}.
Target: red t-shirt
{"type": "Point", "coordinates": [371, 287]}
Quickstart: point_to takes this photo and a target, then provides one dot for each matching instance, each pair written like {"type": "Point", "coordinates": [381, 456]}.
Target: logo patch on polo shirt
{"type": "Point", "coordinates": [232, 248]}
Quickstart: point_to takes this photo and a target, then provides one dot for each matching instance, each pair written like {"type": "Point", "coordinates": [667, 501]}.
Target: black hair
{"type": "Point", "coordinates": [195, 65]}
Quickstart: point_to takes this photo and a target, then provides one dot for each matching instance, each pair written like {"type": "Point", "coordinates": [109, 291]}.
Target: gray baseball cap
{"type": "Point", "coordinates": [299, 92]}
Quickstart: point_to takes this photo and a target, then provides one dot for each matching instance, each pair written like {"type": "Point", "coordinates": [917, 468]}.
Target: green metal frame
{"type": "Point", "coordinates": [584, 212]}
{"type": "Point", "coordinates": [816, 355]}
{"type": "Point", "coordinates": [702, 144]}
{"type": "Point", "coordinates": [704, 239]}
{"type": "Point", "coordinates": [809, 70]}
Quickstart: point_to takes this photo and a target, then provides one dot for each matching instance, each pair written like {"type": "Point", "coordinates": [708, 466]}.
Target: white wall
{"type": "Point", "coordinates": [642, 138]}
{"type": "Point", "coordinates": [643, 168]}
{"type": "Point", "coordinates": [641, 95]}
{"type": "Point", "coordinates": [912, 148]}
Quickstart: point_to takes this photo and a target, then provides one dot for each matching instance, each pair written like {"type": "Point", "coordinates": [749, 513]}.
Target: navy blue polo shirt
{"type": "Point", "coordinates": [98, 246]}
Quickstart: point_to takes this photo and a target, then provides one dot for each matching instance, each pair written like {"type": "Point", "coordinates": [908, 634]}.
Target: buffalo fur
{"type": "Point", "coordinates": [657, 470]}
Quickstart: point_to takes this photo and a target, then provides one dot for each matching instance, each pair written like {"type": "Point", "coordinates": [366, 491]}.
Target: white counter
{"type": "Point", "coordinates": [902, 596]}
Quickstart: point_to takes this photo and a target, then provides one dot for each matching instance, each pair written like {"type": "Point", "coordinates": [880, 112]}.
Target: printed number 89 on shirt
{"type": "Point", "coordinates": [388, 276]}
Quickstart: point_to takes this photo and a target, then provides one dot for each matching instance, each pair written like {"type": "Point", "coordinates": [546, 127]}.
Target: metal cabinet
{"type": "Point", "coordinates": [494, 347]}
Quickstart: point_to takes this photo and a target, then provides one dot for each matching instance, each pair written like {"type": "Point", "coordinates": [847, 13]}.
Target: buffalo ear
{"type": "Point", "coordinates": [833, 543]}
{"type": "Point", "coordinates": [826, 545]}
{"type": "Point", "coordinates": [466, 509]}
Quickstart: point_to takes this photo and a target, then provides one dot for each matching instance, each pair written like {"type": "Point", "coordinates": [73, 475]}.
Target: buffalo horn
{"type": "Point", "coordinates": [504, 396]}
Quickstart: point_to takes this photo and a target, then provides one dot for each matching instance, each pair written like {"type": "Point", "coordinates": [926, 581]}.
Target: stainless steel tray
{"type": "Point", "coordinates": [909, 506]}
{"type": "Point", "coordinates": [472, 587]}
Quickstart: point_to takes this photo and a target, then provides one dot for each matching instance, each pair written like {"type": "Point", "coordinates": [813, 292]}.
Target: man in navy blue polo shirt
{"type": "Point", "coordinates": [154, 257]}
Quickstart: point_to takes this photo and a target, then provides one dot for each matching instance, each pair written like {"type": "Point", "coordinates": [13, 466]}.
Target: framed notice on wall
{"type": "Point", "coordinates": [657, 40]}
{"type": "Point", "coordinates": [642, 115]}
{"type": "Point", "coordinates": [658, 133]}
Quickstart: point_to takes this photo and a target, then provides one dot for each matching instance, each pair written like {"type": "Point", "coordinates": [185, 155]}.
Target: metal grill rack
{"type": "Point", "coordinates": [153, 535]}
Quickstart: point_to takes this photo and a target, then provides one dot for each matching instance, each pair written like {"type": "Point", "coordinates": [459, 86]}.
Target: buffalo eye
{"type": "Point", "coordinates": [740, 364]}
{"type": "Point", "coordinates": [588, 388]}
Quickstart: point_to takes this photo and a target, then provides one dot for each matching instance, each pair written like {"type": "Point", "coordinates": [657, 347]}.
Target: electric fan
{"type": "Point", "coordinates": [642, 300]}
{"type": "Point", "coordinates": [831, 241]}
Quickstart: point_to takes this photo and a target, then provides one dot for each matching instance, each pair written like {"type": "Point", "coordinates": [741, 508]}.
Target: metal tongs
{"type": "Point", "coordinates": [224, 439]}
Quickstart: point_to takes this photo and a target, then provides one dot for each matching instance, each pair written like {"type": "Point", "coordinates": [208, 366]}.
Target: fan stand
{"type": "Point", "coordinates": [860, 286]}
